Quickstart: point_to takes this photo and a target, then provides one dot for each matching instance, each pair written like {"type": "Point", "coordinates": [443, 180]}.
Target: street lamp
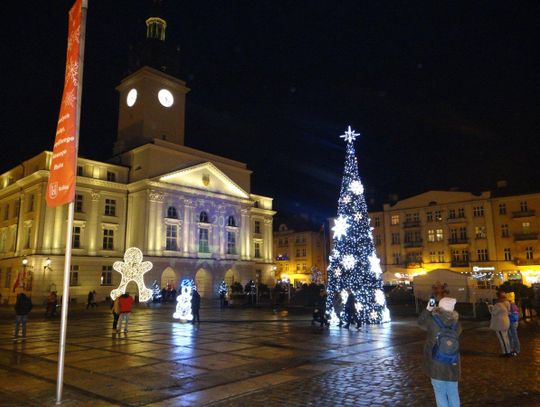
{"type": "Point", "coordinates": [47, 264]}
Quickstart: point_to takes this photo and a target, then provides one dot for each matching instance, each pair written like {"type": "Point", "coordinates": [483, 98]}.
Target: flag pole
{"type": "Point", "coordinates": [71, 207]}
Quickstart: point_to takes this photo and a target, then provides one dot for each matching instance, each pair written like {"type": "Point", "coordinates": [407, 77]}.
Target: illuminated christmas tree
{"type": "Point", "coordinates": [353, 263]}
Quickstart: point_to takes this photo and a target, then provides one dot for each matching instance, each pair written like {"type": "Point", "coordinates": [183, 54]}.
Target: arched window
{"type": "Point", "coordinates": [171, 213]}
{"type": "Point", "coordinates": [203, 217]}
{"type": "Point", "coordinates": [231, 221]}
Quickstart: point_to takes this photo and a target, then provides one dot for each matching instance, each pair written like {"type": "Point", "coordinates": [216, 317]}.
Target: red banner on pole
{"type": "Point", "coordinates": [63, 171]}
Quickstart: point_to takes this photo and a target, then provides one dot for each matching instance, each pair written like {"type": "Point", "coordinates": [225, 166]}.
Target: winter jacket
{"type": "Point", "coordinates": [499, 316]}
{"type": "Point", "coordinates": [116, 306]}
{"type": "Point", "coordinates": [195, 300]}
{"type": "Point", "coordinates": [337, 303]}
{"type": "Point", "coordinates": [23, 306]}
{"type": "Point", "coordinates": [350, 304]}
{"type": "Point", "coordinates": [125, 303]}
{"type": "Point", "coordinates": [433, 368]}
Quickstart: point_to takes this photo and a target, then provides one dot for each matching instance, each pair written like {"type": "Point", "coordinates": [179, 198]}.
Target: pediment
{"type": "Point", "coordinates": [206, 177]}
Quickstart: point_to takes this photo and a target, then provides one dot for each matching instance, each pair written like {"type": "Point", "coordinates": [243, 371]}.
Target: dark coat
{"type": "Point", "coordinates": [434, 369]}
{"type": "Point", "coordinates": [350, 304]}
{"type": "Point", "coordinates": [195, 300]}
{"type": "Point", "coordinates": [23, 306]}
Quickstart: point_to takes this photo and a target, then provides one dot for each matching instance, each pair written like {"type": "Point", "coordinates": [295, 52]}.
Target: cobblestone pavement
{"type": "Point", "coordinates": [251, 358]}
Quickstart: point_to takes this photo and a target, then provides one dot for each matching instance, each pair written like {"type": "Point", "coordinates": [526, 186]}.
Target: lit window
{"type": "Point", "coordinates": [480, 232]}
{"type": "Point", "coordinates": [529, 253]}
{"type": "Point", "coordinates": [432, 257]}
{"type": "Point", "coordinates": [482, 254]}
{"type": "Point", "coordinates": [526, 226]}
{"type": "Point", "coordinates": [395, 220]}
{"type": "Point", "coordinates": [439, 236]}
{"type": "Point", "coordinates": [441, 257]}
{"type": "Point", "coordinates": [478, 211]}
{"type": "Point", "coordinates": [507, 254]}
{"type": "Point", "coordinates": [431, 235]}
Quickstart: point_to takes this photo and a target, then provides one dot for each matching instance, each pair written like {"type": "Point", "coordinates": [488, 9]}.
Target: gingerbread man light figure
{"type": "Point", "coordinates": [132, 269]}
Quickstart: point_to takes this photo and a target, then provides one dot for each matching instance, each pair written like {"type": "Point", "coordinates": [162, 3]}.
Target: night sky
{"type": "Point", "coordinates": [445, 94]}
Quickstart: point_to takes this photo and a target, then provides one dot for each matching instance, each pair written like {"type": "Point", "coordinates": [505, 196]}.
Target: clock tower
{"type": "Point", "coordinates": [152, 102]}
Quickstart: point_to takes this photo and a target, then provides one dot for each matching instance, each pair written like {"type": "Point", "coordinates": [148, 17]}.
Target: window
{"type": "Point", "coordinates": [258, 227]}
{"type": "Point", "coordinates": [482, 254]}
{"type": "Point", "coordinates": [432, 257]}
{"type": "Point", "coordinates": [111, 176]}
{"type": "Point", "coordinates": [80, 170]}
{"type": "Point", "coordinates": [478, 211]}
{"type": "Point", "coordinates": [438, 216]}
{"type": "Point", "coordinates": [455, 256]}
{"type": "Point", "coordinates": [170, 239]}
{"type": "Point", "coordinates": [523, 207]}
{"type": "Point", "coordinates": [203, 241]}
{"type": "Point", "coordinates": [461, 212]}
{"type": "Point", "coordinates": [304, 267]}
{"type": "Point", "coordinates": [429, 216]}
{"type": "Point", "coordinates": [431, 235]}
{"type": "Point", "coordinates": [297, 266]}
{"type": "Point", "coordinates": [108, 239]}
{"type": "Point", "coordinates": [439, 236]}
{"type": "Point", "coordinates": [231, 221]}
{"type": "Point", "coordinates": [6, 212]}
{"type": "Point", "coordinates": [377, 222]}
{"type": "Point", "coordinates": [416, 217]}
{"type": "Point", "coordinates": [257, 249]}
{"type": "Point", "coordinates": [408, 217]}
{"type": "Point", "coordinates": [297, 252]}
{"type": "Point", "coordinates": [453, 234]}
{"type": "Point", "coordinates": [408, 237]}
{"type": "Point", "coordinates": [441, 256]}
{"type": "Point", "coordinates": [76, 242]}
{"type": "Point", "coordinates": [394, 220]}
{"type": "Point", "coordinates": [378, 240]}
{"type": "Point", "coordinates": [463, 233]}
{"type": "Point", "coordinates": [78, 203]}
{"type": "Point", "coordinates": [30, 207]}
{"type": "Point", "coordinates": [172, 213]}
{"type": "Point", "coordinates": [395, 238]}
{"type": "Point", "coordinates": [110, 207]}
{"type": "Point", "coordinates": [504, 231]}
{"type": "Point", "coordinates": [529, 253]}
{"type": "Point", "coordinates": [526, 227]}
{"type": "Point", "coordinates": [397, 258]}
{"type": "Point", "coordinates": [480, 232]}
{"type": "Point", "coordinates": [231, 243]}
{"type": "Point", "coordinates": [28, 237]}
{"type": "Point", "coordinates": [74, 275]}
{"type": "Point", "coordinates": [106, 275]}
{"type": "Point", "coordinates": [507, 254]}
{"type": "Point", "coordinates": [203, 217]}
{"type": "Point", "coordinates": [7, 281]}
{"type": "Point", "coordinates": [502, 209]}
{"type": "Point", "coordinates": [451, 214]}
{"type": "Point", "coordinates": [465, 255]}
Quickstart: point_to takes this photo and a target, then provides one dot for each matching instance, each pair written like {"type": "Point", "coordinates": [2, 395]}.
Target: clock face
{"type": "Point", "coordinates": [131, 97]}
{"type": "Point", "coordinates": [165, 98]}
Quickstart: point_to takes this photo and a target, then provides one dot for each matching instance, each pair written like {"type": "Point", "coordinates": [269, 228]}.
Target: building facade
{"type": "Point", "coordinates": [298, 255]}
{"type": "Point", "coordinates": [493, 236]}
{"type": "Point", "coordinates": [191, 213]}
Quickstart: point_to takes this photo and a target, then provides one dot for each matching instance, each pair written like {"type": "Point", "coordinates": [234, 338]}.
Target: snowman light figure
{"type": "Point", "coordinates": [132, 269]}
{"type": "Point", "coordinates": [183, 305]}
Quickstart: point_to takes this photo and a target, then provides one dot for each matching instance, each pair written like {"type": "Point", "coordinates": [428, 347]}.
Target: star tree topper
{"type": "Point", "coordinates": [350, 135]}
{"type": "Point", "coordinates": [132, 269]}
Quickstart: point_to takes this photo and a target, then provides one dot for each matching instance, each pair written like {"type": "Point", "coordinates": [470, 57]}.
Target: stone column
{"type": "Point", "coordinates": [188, 220]}
{"type": "Point", "coordinates": [155, 199]}
{"type": "Point", "coordinates": [244, 234]}
{"type": "Point", "coordinates": [267, 239]}
{"type": "Point", "coordinates": [93, 227]}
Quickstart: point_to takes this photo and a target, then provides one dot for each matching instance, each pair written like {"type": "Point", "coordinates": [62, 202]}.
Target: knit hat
{"type": "Point", "coordinates": [447, 303]}
{"type": "Point", "coordinates": [511, 297]}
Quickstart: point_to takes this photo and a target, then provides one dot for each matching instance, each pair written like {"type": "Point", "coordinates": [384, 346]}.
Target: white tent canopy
{"type": "Point", "coordinates": [460, 286]}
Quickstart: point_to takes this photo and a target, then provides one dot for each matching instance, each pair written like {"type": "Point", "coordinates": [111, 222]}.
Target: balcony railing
{"type": "Point", "coordinates": [458, 240]}
{"type": "Point", "coordinates": [411, 224]}
{"type": "Point", "coordinates": [523, 214]}
{"type": "Point", "coordinates": [460, 263]}
{"type": "Point", "coordinates": [416, 243]}
{"type": "Point", "coordinates": [518, 237]}
{"type": "Point", "coordinates": [456, 219]}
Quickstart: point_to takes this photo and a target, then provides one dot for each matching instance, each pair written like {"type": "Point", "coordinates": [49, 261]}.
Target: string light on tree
{"type": "Point", "coordinates": [354, 264]}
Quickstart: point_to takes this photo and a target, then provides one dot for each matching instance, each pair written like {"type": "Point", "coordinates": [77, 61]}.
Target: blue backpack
{"type": "Point", "coordinates": [446, 348]}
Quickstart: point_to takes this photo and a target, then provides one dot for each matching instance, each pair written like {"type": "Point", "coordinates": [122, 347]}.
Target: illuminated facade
{"type": "Point", "coordinates": [492, 234]}
{"type": "Point", "coordinates": [190, 212]}
{"type": "Point", "coordinates": [297, 253]}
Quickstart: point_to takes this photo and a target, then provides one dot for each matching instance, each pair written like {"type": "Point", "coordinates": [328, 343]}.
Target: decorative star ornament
{"type": "Point", "coordinates": [357, 216]}
{"type": "Point", "coordinates": [346, 199]}
{"type": "Point", "coordinates": [350, 135]}
{"type": "Point", "coordinates": [340, 227]}
{"type": "Point", "coordinates": [356, 187]}
{"type": "Point", "coordinates": [337, 271]}
{"type": "Point", "coordinates": [132, 269]}
{"type": "Point", "coordinates": [348, 261]}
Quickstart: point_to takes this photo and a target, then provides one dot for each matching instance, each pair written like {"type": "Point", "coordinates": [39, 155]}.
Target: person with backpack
{"type": "Point", "coordinates": [441, 351]}
{"type": "Point", "coordinates": [23, 306]}
{"type": "Point", "coordinates": [500, 322]}
{"type": "Point", "coordinates": [513, 316]}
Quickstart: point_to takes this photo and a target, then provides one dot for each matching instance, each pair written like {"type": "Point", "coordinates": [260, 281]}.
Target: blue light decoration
{"type": "Point", "coordinates": [353, 263]}
{"type": "Point", "coordinates": [223, 288]}
{"type": "Point", "coordinates": [156, 292]}
{"type": "Point", "coordinates": [183, 304]}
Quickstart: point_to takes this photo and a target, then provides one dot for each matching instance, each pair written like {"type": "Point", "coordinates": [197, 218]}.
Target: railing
{"type": "Point", "coordinates": [458, 240]}
{"type": "Point", "coordinates": [411, 224]}
{"type": "Point", "coordinates": [416, 243]}
{"type": "Point", "coordinates": [525, 236]}
{"type": "Point", "coordinates": [523, 214]}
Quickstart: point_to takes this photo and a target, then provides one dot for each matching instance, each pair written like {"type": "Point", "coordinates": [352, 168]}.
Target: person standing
{"type": "Point", "coordinates": [23, 306]}
{"type": "Point", "coordinates": [350, 310]}
{"type": "Point", "coordinates": [337, 303]}
{"type": "Point", "coordinates": [52, 301]}
{"type": "Point", "coordinates": [500, 322]}
{"type": "Point", "coordinates": [514, 324]}
{"type": "Point", "coordinates": [441, 357]}
{"type": "Point", "coordinates": [115, 308]}
{"type": "Point", "coordinates": [195, 305]}
{"type": "Point", "coordinates": [125, 304]}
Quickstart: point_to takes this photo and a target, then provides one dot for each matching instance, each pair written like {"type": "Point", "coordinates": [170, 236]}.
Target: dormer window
{"type": "Point", "coordinates": [203, 217]}
{"type": "Point", "coordinates": [172, 213]}
{"type": "Point", "coordinates": [231, 221]}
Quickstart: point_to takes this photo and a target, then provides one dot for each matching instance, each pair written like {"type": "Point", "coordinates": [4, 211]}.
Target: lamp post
{"type": "Point", "coordinates": [24, 280]}
{"type": "Point", "coordinates": [46, 266]}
